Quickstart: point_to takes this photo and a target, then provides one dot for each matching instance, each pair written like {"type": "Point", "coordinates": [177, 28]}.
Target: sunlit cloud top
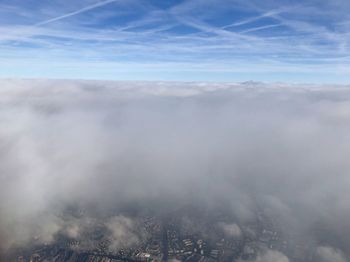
{"type": "Point", "coordinates": [228, 40]}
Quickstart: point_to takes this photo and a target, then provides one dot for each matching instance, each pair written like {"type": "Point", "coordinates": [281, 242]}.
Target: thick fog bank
{"type": "Point", "coordinates": [112, 146]}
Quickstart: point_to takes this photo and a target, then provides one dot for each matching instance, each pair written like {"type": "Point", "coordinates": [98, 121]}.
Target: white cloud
{"type": "Point", "coordinates": [124, 232]}
{"type": "Point", "coordinates": [269, 256]}
{"type": "Point", "coordinates": [109, 145]}
{"type": "Point", "coordinates": [231, 230]}
{"type": "Point", "coordinates": [329, 254]}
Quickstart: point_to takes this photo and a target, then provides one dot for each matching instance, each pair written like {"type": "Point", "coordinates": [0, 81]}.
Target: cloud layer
{"type": "Point", "coordinates": [116, 147]}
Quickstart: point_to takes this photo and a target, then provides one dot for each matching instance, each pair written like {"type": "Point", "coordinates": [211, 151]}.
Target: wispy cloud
{"type": "Point", "coordinates": [80, 11]}
{"type": "Point", "coordinates": [269, 14]}
{"type": "Point", "coordinates": [259, 28]}
{"type": "Point", "coordinates": [142, 33]}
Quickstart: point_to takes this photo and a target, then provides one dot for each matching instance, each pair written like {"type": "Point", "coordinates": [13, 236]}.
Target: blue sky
{"type": "Point", "coordinates": [192, 40]}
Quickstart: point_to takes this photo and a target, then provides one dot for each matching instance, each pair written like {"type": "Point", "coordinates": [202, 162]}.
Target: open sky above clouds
{"type": "Point", "coordinates": [226, 40]}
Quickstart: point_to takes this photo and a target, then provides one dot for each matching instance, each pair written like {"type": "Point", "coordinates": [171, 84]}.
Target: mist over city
{"type": "Point", "coordinates": [222, 162]}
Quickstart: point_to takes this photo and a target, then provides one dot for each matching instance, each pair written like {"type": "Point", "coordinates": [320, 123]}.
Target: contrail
{"type": "Point", "coordinates": [253, 19]}
{"type": "Point", "coordinates": [269, 14]}
{"type": "Point", "coordinates": [85, 9]}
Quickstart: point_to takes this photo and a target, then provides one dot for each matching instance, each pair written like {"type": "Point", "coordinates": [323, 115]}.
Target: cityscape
{"type": "Point", "coordinates": [179, 236]}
